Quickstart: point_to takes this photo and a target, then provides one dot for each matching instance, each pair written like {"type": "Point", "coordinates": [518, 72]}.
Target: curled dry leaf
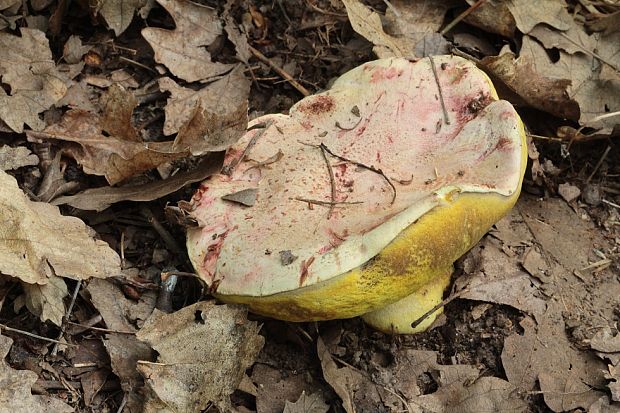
{"type": "Point", "coordinates": [16, 390]}
{"type": "Point", "coordinates": [98, 199]}
{"type": "Point", "coordinates": [204, 350]}
{"type": "Point", "coordinates": [37, 242]}
{"type": "Point", "coordinates": [27, 66]}
{"type": "Point", "coordinates": [183, 50]}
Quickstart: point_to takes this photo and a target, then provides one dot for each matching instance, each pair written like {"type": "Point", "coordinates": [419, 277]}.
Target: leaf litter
{"type": "Point", "coordinates": [530, 321]}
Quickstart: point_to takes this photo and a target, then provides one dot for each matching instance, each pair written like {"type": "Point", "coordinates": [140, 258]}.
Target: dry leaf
{"type": "Point", "coordinates": [74, 50]}
{"type": "Point", "coordinates": [124, 349]}
{"type": "Point", "coordinates": [307, 404]}
{"type": "Point", "coordinates": [98, 199]}
{"type": "Point", "coordinates": [493, 17]}
{"type": "Point", "coordinates": [551, 12]}
{"type": "Point", "coordinates": [501, 281]}
{"type": "Point", "coordinates": [418, 21]}
{"type": "Point", "coordinates": [16, 394]}
{"type": "Point", "coordinates": [46, 301]}
{"type": "Point", "coordinates": [349, 384]}
{"type": "Point", "coordinates": [605, 341]}
{"type": "Point", "coordinates": [486, 394]}
{"type": "Point", "coordinates": [236, 34]}
{"type": "Point", "coordinates": [222, 98]}
{"type": "Point", "coordinates": [204, 350]}
{"type": "Point", "coordinates": [522, 77]}
{"type": "Point", "coordinates": [274, 388]}
{"type": "Point", "coordinates": [37, 242]}
{"type": "Point", "coordinates": [544, 355]}
{"type": "Point", "coordinates": [183, 50]}
{"type": "Point", "coordinates": [13, 158]}
{"type": "Point", "coordinates": [84, 138]}
{"type": "Point", "coordinates": [27, 66]}
{"type": "Point", "coordinates": [367, 23]}
{"type": "Point", "coordinates": [118, 14]}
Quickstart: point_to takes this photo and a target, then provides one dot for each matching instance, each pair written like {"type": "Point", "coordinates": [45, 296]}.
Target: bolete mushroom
{"type": "Point", "coordinates": [360, 200]}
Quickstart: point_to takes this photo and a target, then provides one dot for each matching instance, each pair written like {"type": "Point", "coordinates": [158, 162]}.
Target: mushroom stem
{"type": "Point", "coordinates": [397, 318]}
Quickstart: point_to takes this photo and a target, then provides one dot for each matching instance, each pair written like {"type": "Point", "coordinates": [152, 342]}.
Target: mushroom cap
{"type": "Point", "coordinates": [362, 194]}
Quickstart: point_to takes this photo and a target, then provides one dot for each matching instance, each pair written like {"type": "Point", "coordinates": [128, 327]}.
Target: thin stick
{"type": "Point", "coordinates": [26, 333]}
{"type": "Point", "coordinates": [598, 164]}
{"type": "Point", "coordinates": [63, 327]}
{"type": "Point", "coordinates": [280, 71]}
{"type": "Point", "coordinates": [326, 203]}
{"type": "Point", "coordinates": [133, 62]}
{"type": "Point", "coordinates": [613, 204]}
{"type": "Point", "coordinates": [103, 330]}
{"type": "Point", "coordinates": [461, 17]}
{"type": "Point", "coordinates": [443, 104]}
{"type": "Point", "coordinates": [438, 306]}
{"type": "Point", "coordinates": [228, 170]}
{"type": "Point", "coordinates": [361, 165]}
{"type": "Point", "coordinates": [332, 182]}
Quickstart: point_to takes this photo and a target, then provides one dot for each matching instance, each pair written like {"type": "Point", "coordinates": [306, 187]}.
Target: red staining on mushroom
{"type": "Point", "coordinates": [382, 73]}
{"type": "Point", "coordinates": [503, 144]}
{"type": "Point", "coordinates": [318, 105]}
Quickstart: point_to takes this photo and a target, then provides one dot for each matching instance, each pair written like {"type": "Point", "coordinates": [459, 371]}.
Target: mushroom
{"type": "Point", "coordinates": [359, 201]}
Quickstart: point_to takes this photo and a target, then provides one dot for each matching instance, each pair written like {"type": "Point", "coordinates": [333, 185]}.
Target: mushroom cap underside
{"type": "Point", "coordinates": [361, 193]}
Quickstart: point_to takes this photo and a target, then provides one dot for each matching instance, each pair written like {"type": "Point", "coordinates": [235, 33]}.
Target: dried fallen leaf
{"type": "Point", "coordinates": [493, 17]}
{"type": "Point", "coordinates": [605, 341]}
{"type": "Point", "coordinates": [98, 199]}
{"type": "Point", "coordinates": [204, 350]}
{"type": "Point", "coordinates": [118, 14]}
{"type": "Point", "coordinates": [124, 349]}
{"type": "Point", "coordinates": [37, 242]}
{"type": "Point", "coordinates": [27, 66]}
{"type": "Point", "coordinates": [551, 12]}
{"type": "Point", "coordinates": [45, 301]}
{"type": "Point", "coordinates": [349, 384]}
{"type": "Point", "coordinates": [521, 77]}
{"type": "Point", "coordinates": [307, 404]}
{"type": "Point", "coordinates": [417, 22]}
{"type": "Point", "coordinates": [486, 394]}
{"type": "Point", "coordinates": [13, 158]}
{"type": "Point", "coordinates": [501, 281]}
{"type": "Point", "coordinates": [543, 355]}
{"type": "Point", "coordinates": [183, 50]}
{"type": "Point", "coordinates": [367, 23]}
{"type": "Point", "coordinates": [15, 392]}
{"type": "Point", "coordinates": [222, 98]}
{"type": "Point", "coordinates": [84, 138]}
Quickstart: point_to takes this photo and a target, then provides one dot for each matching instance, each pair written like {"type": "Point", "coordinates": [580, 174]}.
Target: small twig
{"type": "Point", "coordinates": [228, 170]}
{"type": "Point", "coordinates": [461, 17]}
{"type": "Point", "coordinates": [443, 104]}
{"type": "Point", "coordinates": [123, 403]}
{"type": "Point", "coordinates": [163, 232]}
{"type": "Point", "coordinates": [438, 306]}
{"type": "Point", "coordinates": [280, 71]}
{"type": "Point", "coordinates": [598, 164]}
{"type": "Point", "coordinates": [545, 138]}
{"type": "Point", "coordinates": [63, 327]}
{"type": "Point", "coordinates": [332, 182]}
{"type": "Point", "coordinates": [133, 62]}
{"type": "Point", "coordinates": [26, 333]}
{"type": "Point", "coordinates": [103, 330]}
{"type": "Point", "coordinates": [326, 203]}
{"type": "Point", "coordinates": [613, 204]}
{"type": "Point", "coordinates": [351, 128]}
{"type": "Point", "coordinates": [361, 165]}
